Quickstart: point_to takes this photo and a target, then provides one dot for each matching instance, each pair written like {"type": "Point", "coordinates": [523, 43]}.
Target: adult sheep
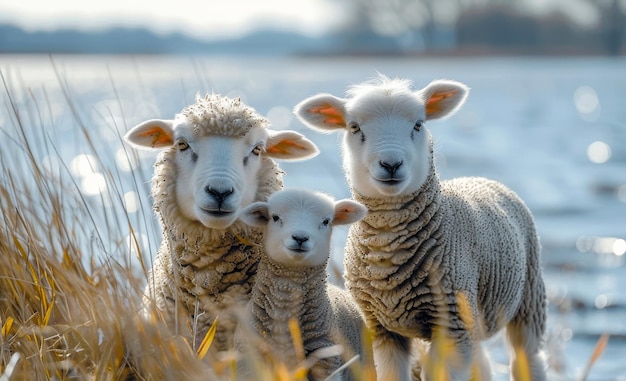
{"type": "Point", "coordinates": [217, 156]}
{"type": "Point", "coordinates": [458, 257]}
{"type": "Point", "coordinates": [292, 282]}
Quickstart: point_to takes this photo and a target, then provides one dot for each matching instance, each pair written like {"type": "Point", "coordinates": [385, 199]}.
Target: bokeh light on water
{"type": "Point", "coordinates": [601, 245]}
{"type": "Point", "coordinates": [131, 202]}
{"type": "Point", "coordinates": [599, 152]}
{"type": "Point", "coordinates": [587, 102]}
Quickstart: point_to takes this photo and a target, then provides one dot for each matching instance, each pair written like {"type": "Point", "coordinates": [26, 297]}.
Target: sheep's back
{"type": "Point", "coordinates": [489, 230]}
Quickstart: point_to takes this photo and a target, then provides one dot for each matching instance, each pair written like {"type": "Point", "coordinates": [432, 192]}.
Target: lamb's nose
{"type": "Point", "coordinates": [391, 168]}
{"type": "Point", "coordinates": [219, 194]}
{"type": "Point", "coordinates": [300, 239]}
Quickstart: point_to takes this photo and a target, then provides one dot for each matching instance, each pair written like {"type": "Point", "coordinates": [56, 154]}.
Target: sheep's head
{"type": "Point", "coordinates": [387, 148]}
{"type": "Point", "coordinates": [218, 147]}
{"type": "Point", "coordinates": [298, 224]}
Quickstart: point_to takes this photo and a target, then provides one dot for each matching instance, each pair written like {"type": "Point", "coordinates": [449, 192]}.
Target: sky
{"type": "Point", "coordinates": [214, 19]}
{"type": "Point", "coordinates": [204, 18]}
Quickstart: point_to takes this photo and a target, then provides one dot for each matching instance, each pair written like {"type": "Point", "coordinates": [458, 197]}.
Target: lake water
{"type": "Point", "coordinates": [553, 130]}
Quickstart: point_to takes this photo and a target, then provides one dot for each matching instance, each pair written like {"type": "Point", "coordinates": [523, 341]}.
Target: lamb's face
{"type": "Point", "coordinates": [387, 149]}
{"type": "Point", "coordinates": [217, 175]}
{"type": "Point", "coordinates": [298, 224]}
{"type": "Point", "coordinates": [299, 229]}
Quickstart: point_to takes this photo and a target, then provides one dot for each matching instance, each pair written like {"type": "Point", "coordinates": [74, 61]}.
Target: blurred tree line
{"type": "Point", "coordinates": [486, 26]}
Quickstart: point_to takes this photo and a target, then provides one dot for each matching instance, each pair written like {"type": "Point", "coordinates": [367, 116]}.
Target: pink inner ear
{"type": "Point", "coordinates": [341, 215]}
{"type": "Point", "coordinates": [283, 147]}
{"type": "Point", "coordinates": [159, 137]}
{"type": "Point", "coordinates": [433, 104]}
{"type": "Point", "coordinates": [332, 115]}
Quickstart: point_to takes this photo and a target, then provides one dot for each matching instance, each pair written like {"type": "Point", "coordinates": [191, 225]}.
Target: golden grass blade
{"type": "Point", "coordinates": [46, 318]}
{"type": "Point", "coordinates": [296, 337]}
{"type": "Point", "coordinates": [300, 373]}
{"type": "Point", "coordinates": [6, 327]}
{"type": "Point", "coordinates": [369, 368]}
{"type": "Point", "coordinates": [208, 340]}
{"type": "Point", "coordinates": [465, 311]}
{"type": "Point", "coordinates": [597, 352]}
{"type": "Point", "coordinates": [522, 369]}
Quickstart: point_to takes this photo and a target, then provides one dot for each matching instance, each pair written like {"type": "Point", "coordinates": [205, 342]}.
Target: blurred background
{"type": "Point", "coordinates": [545, 116]}
{"type": "Point", "coordinates": [344, 27]}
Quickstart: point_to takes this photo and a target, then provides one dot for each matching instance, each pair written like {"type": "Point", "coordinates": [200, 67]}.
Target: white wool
{"type": "Point", "coordinates": [293, 284]}
{"type": "Point", "coordinates": [207, 261]}
{"type": "Point", "coordinates": [429, 251]}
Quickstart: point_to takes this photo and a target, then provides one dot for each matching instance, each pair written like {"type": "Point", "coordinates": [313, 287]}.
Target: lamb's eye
{"type": "Point", "coordinates": [326, 221]}
{"type": "Point", "coordinates": [418, 125]}
{"type": "Point", "coordinates": [182, 145]}
{"type": "Point", "coordinates": [354, 127]}
{"type": "Point", "coordinates": [275, 218]}
{"type": "Point", "coordinates": [256, 151]}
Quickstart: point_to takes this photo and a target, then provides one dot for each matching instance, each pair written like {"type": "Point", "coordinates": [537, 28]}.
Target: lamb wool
{"type": "Point", "coordinates": [326, 315]}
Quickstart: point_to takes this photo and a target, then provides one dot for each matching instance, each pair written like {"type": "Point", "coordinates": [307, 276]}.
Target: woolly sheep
{"type": "Point", "coordinates": [460, 257]}
{"type": "Point", "coordinates": [216, 158]}
{"type": "Point", "coordinates": [292, 279]}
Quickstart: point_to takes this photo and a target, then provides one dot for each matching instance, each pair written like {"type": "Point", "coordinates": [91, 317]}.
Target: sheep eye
{"type": "Point", "coordinates": [354, 127]}
{"type": "Point", "coordinates": [256, 151]}
{"type": "Point", "coordinates": [418, 125]}
{"type": "Point", "coordinates": [182, 145]}
{"type": "Point", "coordinates": [275, 218]}
{"type": "Point", "coordinates": [326, 221]}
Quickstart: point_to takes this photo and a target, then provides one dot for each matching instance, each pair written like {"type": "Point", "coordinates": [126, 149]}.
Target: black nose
{"type": "Point", "coordinates": [219, 194]}
{"type": "Point", "coordinates": [300, 239]}
{"type": "Point", "coordinates": [391, 168]}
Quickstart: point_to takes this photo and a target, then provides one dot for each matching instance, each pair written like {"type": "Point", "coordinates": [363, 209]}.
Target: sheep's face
{"type": "Point", "coordinates": [217, 175]}
{"type": "Point", "coordinates": [298, 224]}
{"type": "Point", "coordinates": [387, 148]}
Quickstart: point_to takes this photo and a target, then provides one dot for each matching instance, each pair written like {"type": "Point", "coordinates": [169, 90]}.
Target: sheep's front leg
{"type": "Point", "coordinates": [391, 356]}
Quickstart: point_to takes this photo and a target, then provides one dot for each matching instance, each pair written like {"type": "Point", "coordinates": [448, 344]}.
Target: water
{"type": "Point", "coordinates": [551, 129]}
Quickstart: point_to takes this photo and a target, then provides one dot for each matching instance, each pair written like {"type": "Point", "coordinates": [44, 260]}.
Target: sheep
{"type": "Point", "coordinates": [216, 157]}
{"type": "Point", "coordinates": [292, 282]}
{"type": "Point", "coordinates": [458, 259]}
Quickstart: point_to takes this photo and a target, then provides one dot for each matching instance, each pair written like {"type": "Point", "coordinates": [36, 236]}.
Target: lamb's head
{"type": "Point", "coordinates": [298, 224]}
{"type": "Point", "coordinates": [387, 149]}
{"type": "Point", "coordinates": [218, 147]}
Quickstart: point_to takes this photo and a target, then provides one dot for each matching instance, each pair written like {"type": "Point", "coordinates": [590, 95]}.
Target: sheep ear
{"type": "Point", "coordinates": [255, 214]}
{"type": "Point", "coordinates": [443, 98]}
{"type": "Point", "coordinates": [348, 211]}
{"type": "Point", "coordinates": [290, 145]}
{"type": "Point", "coordinates": [323, 112]}
{"type": "Point", "coordinates": [154, 133]}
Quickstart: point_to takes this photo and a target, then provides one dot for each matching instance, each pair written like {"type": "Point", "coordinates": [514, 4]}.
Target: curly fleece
{"type": "Point", "coordinates": [411, 258]}
{"type": "Point", "coordinates": [195, 264]}
{"type": "Point", "coordinates": [326, 314]}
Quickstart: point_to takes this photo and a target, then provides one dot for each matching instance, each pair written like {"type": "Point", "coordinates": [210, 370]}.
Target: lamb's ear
{"type": "Point", "coordinates": [323, 112]}
{"type": "Point", "coordinates": [442, 98]}
{"type": "Point", "coordinates": [255, 214]}
{"type": "Point", "coordinates": [348, 211]}
{"type": "Point", "coordinates": [289, 145]}
{"type": "Point", "coordinates": [153, 133]}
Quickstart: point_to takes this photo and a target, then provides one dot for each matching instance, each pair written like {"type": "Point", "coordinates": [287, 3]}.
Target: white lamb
{"type": "Point", "coordinates": [458, 257]}
{"type": "Point", "coordinates": [216, 158]}
{"type": "Point", "coordinates": [292, 282]}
